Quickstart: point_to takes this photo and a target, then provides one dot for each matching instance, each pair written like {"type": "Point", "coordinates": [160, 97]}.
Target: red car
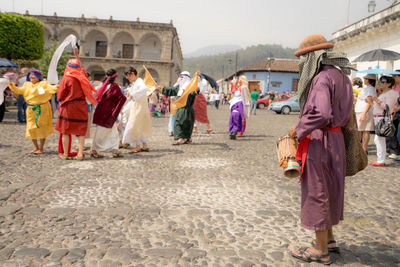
{"type": "Point", "coordinates": [264, 102]}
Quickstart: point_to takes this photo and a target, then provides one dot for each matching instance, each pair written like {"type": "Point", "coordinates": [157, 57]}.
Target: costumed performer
{"type": "Point", "coordinates": [200, 106]}
{"type": "Point", "coordinates": [243, 85]}
{"type": "Point", "coordinates": [138, 127]}
{"type": "Point", "coordinates": [184, 117]}
{"type": "Point", "coordinates": [236, 105]}
{"type": "Point", "coordinates": [73, 113]}
{"type": "Point", "coordinates": [37, 94]}
{"type": "Point", "coordinates": [326, 103]}
{"type": "Point", "coordinates": [110, 102]}
{"type": "Point", "coordinates": [153, 102]}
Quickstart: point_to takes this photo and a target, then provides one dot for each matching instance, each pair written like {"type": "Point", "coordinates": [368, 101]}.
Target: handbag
{"type": "Point", "coordinates": [356, 157]}
{"type": "Point", "coordinates": [385, 127]}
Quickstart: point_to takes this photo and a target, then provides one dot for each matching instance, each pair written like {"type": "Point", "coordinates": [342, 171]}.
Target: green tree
{"type": "Point", "coordinates": [21, 37]}
{"type": "Point", "coordinates": [46, 58]}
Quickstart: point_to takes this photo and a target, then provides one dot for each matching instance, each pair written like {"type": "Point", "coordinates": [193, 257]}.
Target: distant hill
{"type": "Point", "coordinates": [222, 65]}
{"type": "Point", "coordinates": [212, 50]}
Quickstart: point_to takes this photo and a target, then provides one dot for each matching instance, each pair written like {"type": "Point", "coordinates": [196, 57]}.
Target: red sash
{"type": "Point", "coordinates": [302, 149]}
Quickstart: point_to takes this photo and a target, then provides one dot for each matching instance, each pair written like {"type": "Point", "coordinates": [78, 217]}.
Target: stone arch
{"type": "Point", "coordinates": [48, 38]}
{"type": "Point", "coordinates": [97, 72]}
{"type": "Point", "coordinates": [150, 47]}
{"type": "Point", "coordinates": [153, 73]}
{"type": "Point", "coordinates": [63, 34]}
{"type": "Point", "coordinates": [122, 45]}
{"type": "Point", "coordinates": [95, 44]}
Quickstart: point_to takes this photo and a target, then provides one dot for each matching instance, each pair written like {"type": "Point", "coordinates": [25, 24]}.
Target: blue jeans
{"type": "Point", "coordinates": [253, 107]}
{"type": "Point", "coordinates": [171, 123]}
{"type": "Point", "coordinates": [21, 105]}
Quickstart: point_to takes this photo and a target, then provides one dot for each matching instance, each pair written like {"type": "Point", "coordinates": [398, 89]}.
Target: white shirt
{"type": "Point", "coordinates": [364, 94]}
{"type": "Point", "coordinates": [137, 90]}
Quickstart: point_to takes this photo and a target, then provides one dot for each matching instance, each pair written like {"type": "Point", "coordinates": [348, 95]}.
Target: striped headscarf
{"type": "Point", "coordinates": [309, 67]}
{"type": "Point", "coordinates": [35, 72]}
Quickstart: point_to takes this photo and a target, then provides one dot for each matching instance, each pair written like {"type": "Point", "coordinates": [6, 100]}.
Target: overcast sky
{"type": "Point", "coordinates": [217, 22]}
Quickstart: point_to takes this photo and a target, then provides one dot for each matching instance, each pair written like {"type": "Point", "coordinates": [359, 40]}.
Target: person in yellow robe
{"type": "Point", "coordinates": [37, 94]}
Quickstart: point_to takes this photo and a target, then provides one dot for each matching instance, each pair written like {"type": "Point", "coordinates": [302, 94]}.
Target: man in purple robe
{"type": "Point", "coordinates": [326, 100]}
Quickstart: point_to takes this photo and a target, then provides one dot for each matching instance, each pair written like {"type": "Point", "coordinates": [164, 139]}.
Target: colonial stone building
{"type": "Point", "coordinates": [117, 44]}
{"type": "Point", "coordinates": [380, 30]}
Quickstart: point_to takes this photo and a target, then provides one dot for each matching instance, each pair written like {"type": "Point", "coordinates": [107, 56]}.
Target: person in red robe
{"type": "Point", "coordinates": [111, 100]}
{"type": "Point", "coordinates": [73, 114]}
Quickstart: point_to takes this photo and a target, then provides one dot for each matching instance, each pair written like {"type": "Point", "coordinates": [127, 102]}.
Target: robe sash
{"type": "Point", "coordinates": [38, 112]}
{"type": "Point", "coordinates": [302, 149]}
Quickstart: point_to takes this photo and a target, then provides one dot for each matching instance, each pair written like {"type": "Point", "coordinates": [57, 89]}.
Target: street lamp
{"type": "Point", "coordinates": [269, 63]}
{"type": "Point", "coordinates": [371, 6]}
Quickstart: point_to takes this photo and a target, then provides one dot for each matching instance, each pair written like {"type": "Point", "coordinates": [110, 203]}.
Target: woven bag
{"type": "Point", "coordinates": [356, 157]}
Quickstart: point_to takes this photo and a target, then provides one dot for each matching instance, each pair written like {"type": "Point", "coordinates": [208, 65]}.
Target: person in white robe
{"type": "Point", "coordinates": [138, 127]}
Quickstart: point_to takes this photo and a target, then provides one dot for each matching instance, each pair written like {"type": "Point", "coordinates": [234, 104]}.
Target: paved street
{"type": "Point", "coordinates": [216, 202]}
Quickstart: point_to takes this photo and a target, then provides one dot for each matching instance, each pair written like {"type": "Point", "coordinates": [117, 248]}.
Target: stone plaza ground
{"type": "Point", "coordinates": [215, 202]}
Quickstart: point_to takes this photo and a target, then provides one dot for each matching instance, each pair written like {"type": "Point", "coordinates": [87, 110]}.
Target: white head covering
{"type": "Point", "coordinates": [3, 85]}
{"type": "Point", "coordinates": [183, 81]}
{"type": "Point", "coordinates": [203, 85]}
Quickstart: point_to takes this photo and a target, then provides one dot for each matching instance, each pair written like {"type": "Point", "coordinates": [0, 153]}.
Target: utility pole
{"type": "Point", "coordinates": [348, 12]}
{"type": "Point", "coordinates": [236, 62]}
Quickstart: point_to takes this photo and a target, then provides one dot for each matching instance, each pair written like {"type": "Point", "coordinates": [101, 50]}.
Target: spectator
{"type": "Point", "coordinates": [21, 104]}
{"type": "Point", "coordinates": [217, 100]}
{"type": "Point", "coordinates": [271, 96]}
{"type": "Point", "coordinates": [212, 99]}
{"type": "Point", "coordinates": [254, 97]}
{"type": "Point", "coordinates": [389, 97]}
{"type": "Point", "coordinates": [393, 143]}
{"type": "Point", "coordinates": [363, 107]}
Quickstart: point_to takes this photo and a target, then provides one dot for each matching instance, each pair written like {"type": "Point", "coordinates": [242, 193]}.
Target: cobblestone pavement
{"type": "Point", "coordinates": [216, 202]}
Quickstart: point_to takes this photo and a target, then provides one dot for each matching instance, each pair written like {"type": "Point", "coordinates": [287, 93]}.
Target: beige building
{"type": "Point", "coordinates": [380, 30]}
{"type": "Point", "coordinates": [117, 44]}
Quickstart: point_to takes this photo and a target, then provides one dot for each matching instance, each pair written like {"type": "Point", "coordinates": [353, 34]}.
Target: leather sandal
{"type": "Point", "coordinates": [307, 256]}
{"type": "Point", "coordinates": [135, 150]}
{"type": "Point", "coordinates": [179, 142]}
{"type": "Point", "coordinates": [63, 157]}
{"type": "Point", "coordinates": [332, 249]}
{"type": "Point", "coordinates": [145, 149]}
{"type": "Point", "coordinates": [79, 158]}
{"type": "Point", "coordinates": [94, 154]}
{"type": "Point", "coordinates": [117, 155]}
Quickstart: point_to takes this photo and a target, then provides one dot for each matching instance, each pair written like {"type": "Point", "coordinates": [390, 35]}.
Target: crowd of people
{"type": "Point", "coordinates": [372, 97]}
{"type": "Point", "coordinates": [122, 116]}
{"type": "Point", "coordinates": [326, 96]}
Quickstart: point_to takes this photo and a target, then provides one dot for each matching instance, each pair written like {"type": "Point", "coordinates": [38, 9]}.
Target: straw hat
{"type": "Point", "coordinates": [312, 43]}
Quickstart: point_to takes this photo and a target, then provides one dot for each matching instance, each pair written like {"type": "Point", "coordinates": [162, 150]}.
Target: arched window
{"type": "Point", "coordinates": [150, 47]}
{"type": "Point", "coordinates": [95, 44]}
{"type": "Point", "coordinates": [122, 45]}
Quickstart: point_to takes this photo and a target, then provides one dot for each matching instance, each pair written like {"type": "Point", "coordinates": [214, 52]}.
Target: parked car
{"type": "Point", "coordinates": [285, 107]}
{"type": "Point", "coordinates": [263, 102]}
{"type": "Point", "coordinates": [284, 98]}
